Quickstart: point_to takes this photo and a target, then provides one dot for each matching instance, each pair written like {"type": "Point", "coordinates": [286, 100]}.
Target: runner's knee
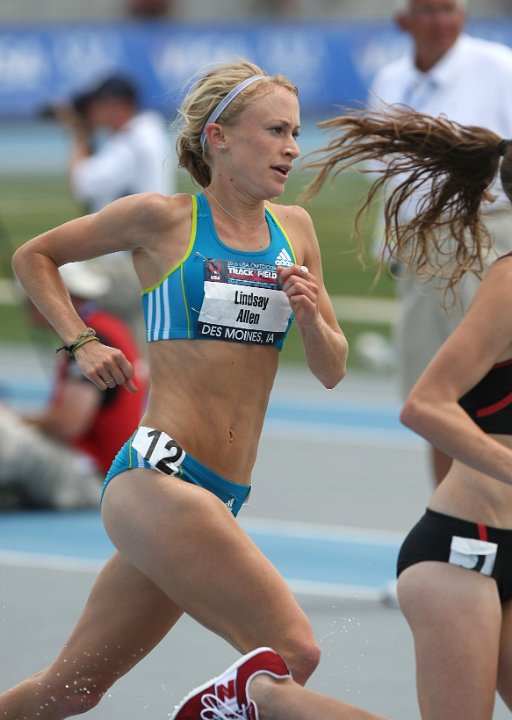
{"type": "Point", "coordinates": [74, 693]}
{"type": "Point", "coordinates": [302, 655]}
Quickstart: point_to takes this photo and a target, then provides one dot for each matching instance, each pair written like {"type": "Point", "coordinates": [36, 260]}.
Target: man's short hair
{"type": "Point", "coordinates": [402, 6]}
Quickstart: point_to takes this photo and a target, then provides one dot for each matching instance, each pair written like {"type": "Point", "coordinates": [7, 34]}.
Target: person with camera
{"type": "Point", "coordinates": [117, 148]}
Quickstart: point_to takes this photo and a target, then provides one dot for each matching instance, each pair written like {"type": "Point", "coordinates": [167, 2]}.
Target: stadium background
{"type": "Point", "coordinates": [351, 480]}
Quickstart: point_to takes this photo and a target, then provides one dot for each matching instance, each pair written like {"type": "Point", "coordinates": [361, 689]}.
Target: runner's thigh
{"type": "Point", "coordinates": [189, 544]}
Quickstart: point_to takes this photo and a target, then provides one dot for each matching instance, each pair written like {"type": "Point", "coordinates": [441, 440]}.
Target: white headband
{"type": "Point", "coordinates": [225, 102]}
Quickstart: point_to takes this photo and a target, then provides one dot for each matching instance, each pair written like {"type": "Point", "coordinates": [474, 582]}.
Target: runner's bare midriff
{"type": "Point", "coordinates": [472, 495]}
{"type": "Point", "coordinates": [211, 396]}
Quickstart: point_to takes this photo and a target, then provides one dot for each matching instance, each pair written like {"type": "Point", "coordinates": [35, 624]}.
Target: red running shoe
{"type": "Point", "coordinates": [226, 697]}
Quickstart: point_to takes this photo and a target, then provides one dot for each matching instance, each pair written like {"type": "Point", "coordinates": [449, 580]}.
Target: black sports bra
{"type": "Point", "coordinates": [489, 403]}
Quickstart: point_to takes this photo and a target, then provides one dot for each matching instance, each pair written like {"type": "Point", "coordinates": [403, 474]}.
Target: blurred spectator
{"type": "Point", "coordinates": [149, 8]}
{"type": "Point", "coordinates": [135, 155]}
{"type": "Point", "coordinates": [277, 8]}
{"type": "Point", "coordinates": [58, 457]}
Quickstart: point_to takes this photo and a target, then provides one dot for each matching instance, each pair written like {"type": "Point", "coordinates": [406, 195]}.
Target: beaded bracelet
{"type": "Point", "coordinates": [88, 335]}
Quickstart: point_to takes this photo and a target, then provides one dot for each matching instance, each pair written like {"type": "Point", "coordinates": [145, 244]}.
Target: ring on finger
{"type": "Point", "coordinates": [110, 382]}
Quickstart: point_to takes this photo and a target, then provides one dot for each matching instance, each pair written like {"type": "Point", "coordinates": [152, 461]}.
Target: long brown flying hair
{"type": "Point", "coordinates": [451, 166]}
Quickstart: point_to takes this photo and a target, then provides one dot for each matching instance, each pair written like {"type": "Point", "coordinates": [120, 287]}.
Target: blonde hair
{"type": "Point", "coordinates": [450, 166]}
{"type": "Point", "coordinates": [204, 96]}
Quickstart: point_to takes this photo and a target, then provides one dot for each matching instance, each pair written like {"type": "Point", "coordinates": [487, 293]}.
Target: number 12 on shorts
{"type": "Point", "coordinates": [159, 450]}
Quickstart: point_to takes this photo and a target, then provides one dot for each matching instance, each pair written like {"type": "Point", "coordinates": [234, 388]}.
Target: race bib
{"type": "Point", "coordinates": [478, 555]}
{"type": "Point", "coordinates": [243, 302]}
{"type": "Point", "coordinates": [159, 450]}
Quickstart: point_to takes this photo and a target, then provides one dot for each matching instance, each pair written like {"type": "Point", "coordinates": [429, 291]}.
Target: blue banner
{"type": "Point", "coordinates": [332, 63]}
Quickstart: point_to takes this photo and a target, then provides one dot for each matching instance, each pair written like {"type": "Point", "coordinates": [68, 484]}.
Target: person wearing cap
{"type": "Point", "coordinates": [57, 457]}
{"type": "Point", "coordinates": [136, 155]}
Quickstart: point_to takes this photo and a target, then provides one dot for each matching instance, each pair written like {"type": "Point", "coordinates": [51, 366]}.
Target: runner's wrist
{"type": "Point", "coordinates": [86, 336]}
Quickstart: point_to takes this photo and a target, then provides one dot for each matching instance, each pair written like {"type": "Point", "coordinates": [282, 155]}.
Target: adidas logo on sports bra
{"type": "Point", "coordinates": [284, 259]}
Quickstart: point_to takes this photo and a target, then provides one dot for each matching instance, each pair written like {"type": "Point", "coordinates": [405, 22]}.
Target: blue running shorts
{"type": "Point", "coordinates": [150, 448]}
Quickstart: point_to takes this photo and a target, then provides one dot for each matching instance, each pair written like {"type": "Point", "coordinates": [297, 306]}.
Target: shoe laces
{"type": "Point", "coordinates": [217, 709]}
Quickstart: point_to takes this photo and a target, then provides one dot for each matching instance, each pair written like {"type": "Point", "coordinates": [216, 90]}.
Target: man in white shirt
{"type": "Point", "coordinates": [469, 80]}
{"type": "Point", "coordinates": [118, 149]}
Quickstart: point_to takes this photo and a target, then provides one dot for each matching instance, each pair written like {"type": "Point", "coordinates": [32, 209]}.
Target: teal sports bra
{"type": "Point", "coordinates": [218, 293]}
